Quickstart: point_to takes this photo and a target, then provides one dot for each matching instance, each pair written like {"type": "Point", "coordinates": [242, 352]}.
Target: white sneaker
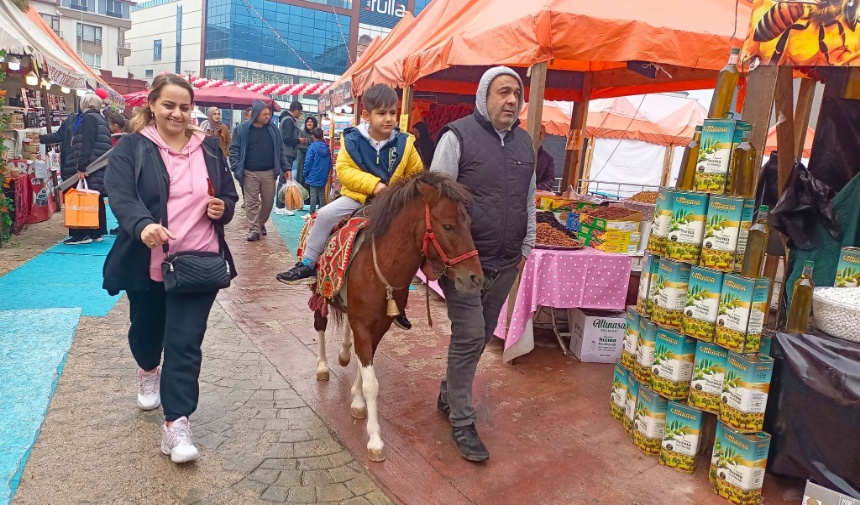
{"type": "Point", "coordinates": [148, 396]}
{"type": "Point", "coordinates": [177, 442]}
{"type": "Point", "coordinates": [290, 213]}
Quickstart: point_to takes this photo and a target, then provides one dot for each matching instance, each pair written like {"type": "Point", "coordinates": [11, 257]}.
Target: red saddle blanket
{"type": "Point", "coordinates": [334, 260]}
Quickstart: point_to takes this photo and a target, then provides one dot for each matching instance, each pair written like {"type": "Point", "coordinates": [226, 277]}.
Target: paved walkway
{"type": "Point", "coordinates": [261, 443]}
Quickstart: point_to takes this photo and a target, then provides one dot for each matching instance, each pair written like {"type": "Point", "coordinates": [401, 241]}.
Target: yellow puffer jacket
{"type": "Point", "coordinates": [359, 185]}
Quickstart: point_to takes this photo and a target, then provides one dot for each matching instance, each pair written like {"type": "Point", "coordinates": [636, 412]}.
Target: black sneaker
{"type": "Point", "coordinates": [78, 241]}
{"type": "Point", "coordinates": [253, 236]}
{"type": "Point", "coordinates": [115, 231]}
{"type": "Point", "coordinates": [299, 274]}
{"type": "Point", "coordinates": [402, 322]}
{"type": "Point", "coordinates": [469, 443]}
{"type": "Point", "coordinates": [442, 407]}
{"type": "Point", "coordinates": [263, 231]}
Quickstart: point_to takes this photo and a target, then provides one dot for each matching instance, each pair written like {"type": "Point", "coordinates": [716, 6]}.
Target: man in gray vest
{"type": "Point", "coordinates": [489, 154]}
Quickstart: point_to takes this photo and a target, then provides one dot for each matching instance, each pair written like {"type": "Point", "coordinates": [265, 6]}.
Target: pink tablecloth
{"type": "Point", "coordinates": [587, 279]}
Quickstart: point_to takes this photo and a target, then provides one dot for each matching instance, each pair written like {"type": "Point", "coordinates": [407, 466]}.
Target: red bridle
{"type": "Point", "coordinates": [430, 238]}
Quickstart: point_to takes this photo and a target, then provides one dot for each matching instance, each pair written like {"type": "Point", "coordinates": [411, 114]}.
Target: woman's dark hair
{"type": "Point", "coordinates": [379, 96]}
{"type": "Point", "coordinates": [145, 116]}
{"type": "Point", "coordinates": [117, 119]}
{"type": "Point", "coordinates": [424, 143]}
{"type": "Point", "coordinates": [318, 134]}
{"type": "Point", "coordinates": [312, 120]}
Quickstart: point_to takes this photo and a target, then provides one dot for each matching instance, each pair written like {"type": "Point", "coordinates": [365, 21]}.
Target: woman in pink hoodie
{"type": "Point", "coordinates": [169, 185]}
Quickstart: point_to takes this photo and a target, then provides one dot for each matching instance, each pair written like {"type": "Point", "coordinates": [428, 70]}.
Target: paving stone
{"type": "Point", "coordinates": [304, 494]}
{"type": "Point", "coordinates": [317, 463]}
{"type": "Point", "coordinates": [279, 464]}
{"type": "Point", "coordinates": [275, 494]}
{"type": "Point", "coordinates": [313, 448]}
{"type": "Point", "coordinates": [361, 485]}
{"type": "Point", "coordinates": [333, 492]}
{"type": "Point", "coordinates": [358, 500]}
{"type": "Point", "coordinates": [316, 477]}
{"type": "Point", "coordinates": [343, 474]}
{"type": "Point", "coordinates": [342, 458]}
{"type": "Point", "coordinates": [256, 488]}
{"type": "Point", "coordinates": [378, 498]}
{"type": "Point", "coordinates": [265, 475]}
{"type": "Point", "coordinates": [290, 478]}
{"type": "Point", "coordinates": [292, 436]}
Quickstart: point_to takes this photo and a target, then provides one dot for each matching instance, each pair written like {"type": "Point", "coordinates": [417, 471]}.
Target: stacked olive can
{"type": "Point", "coordinates": [692, 344]}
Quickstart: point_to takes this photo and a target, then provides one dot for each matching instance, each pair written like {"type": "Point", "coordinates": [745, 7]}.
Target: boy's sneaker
{"type": "Point", "coordinates": [299, 274]}
{"type": "Point", "coordinates": [98, 239]}
{"type": "Point", "coordinates": [290, 213]}
{"type": "Point", "coordinates": [402, 322]}
{"type": "Point", "coordinates": [148, 383]}
{"type": "Point", "coordinates": [78, 241]}
{"type": "Point", "coordinates": [177, 442]}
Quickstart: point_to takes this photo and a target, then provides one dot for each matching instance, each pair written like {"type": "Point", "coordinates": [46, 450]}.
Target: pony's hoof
{"type": "Point", "coordinates": [343, 361]}
{"type": "Point", "coordinates": [376, 455]}
{"type": "Point", "coordinates": [322, 375]}
{"type": "Point", "coordinates": [359, 413]}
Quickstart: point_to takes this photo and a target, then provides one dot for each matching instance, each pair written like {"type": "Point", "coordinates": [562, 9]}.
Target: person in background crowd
{"type": "Point", "coordinates": [306, 136]}
{"type": "Point", "coordinates": [118, 127]}
{"type": "Point", "coordinates": [316, 168]}
{"type": "Point", "coordinates": [545, 171]}
{"type": "Point", "coordinates": [424, 143]}
{"type": "Point", "coordinates": [257, 158]}
{"type": "Point", "coordinates": [167, 165]}
{"type": "Point", "coordinates": [85, 139]}
{"type": "Point", "coordinates": [489, 154]}
{"type": "Point", "coordinates": [213, 126]}
{"type": "Point", "coordinates": [290, 136]}
{"type": "Point", "coordinates": [247, 115]}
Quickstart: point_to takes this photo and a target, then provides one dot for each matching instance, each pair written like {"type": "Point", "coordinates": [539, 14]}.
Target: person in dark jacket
{"type": "Point", "coordinates": [489, 154]}
{"type": "Point", "coordinates": [316, 169]}
{"type": "Point", "coordinates": [424, 143]}
{"type": "Point", "coordinates": [257, 158]}
{"type": "Point", "coordinates": [545, 172]}
{"type": "Point", "coordinates": [306, 137]}
{"type": "Point", "coordinates": [169, 186]}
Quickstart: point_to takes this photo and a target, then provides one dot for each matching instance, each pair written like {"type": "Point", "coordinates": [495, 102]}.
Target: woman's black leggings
{"type": "Point", "coordinates": [175, 324]}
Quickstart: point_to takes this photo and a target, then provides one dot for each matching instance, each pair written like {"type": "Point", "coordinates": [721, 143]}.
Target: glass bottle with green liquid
{"type": "Point", "coordinates": [727, 84]}
{"type": "Point", "coordinates": [688, 162]}
{"type": "Point", "coordinates": [756, 245]}
{"type": "Point", "coordinates": [801, 301]}
{"type": "Point", "coordinates": [743, 168]}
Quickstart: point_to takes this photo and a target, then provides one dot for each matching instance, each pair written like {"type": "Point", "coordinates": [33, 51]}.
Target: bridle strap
{"type": "Point", "coordinates": [430, 238]}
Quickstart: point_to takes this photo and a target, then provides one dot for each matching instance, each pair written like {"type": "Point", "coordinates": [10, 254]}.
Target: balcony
{"type": "Point", "coordinates": [114, 14]}
{"type": "Point", "coordinates": [79, 7]}
{"type": "Point", "coordinates": [93, 41]}
{"type": "Point", "coordinates": [124, 50]}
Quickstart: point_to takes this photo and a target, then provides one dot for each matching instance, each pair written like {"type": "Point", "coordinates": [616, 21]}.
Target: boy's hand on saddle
{"type": "Point", "coordinates": [379, 188]}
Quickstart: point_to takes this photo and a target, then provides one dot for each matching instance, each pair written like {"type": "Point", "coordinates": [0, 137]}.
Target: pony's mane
{"type": "Point", "coordinates": [396, 197]}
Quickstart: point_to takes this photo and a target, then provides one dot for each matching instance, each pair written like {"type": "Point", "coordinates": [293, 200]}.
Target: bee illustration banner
{"type": "Point", "coordinates": [803, 33]}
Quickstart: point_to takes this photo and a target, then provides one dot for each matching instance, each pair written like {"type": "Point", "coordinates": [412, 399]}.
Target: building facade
{"type": "Point", "coordinates": [97, 29]}
{"type": "Point", "coordinates": [261, 41]}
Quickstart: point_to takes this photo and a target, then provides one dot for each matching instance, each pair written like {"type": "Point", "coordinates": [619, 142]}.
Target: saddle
{"type": "Point", "coordinates": [335, 258]}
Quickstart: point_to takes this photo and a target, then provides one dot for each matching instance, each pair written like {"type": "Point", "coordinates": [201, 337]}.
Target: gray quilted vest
{"type": "Point", "coordinates": [498, 174]}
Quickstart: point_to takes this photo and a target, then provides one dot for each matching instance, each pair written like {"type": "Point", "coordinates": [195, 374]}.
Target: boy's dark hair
{"type": "Point", "coordinates": [379, 96]}
{"type": "Point", "coordinates": [117, 119]}
{"type": "Point", "coordinates": [296, 106]}
{"type": "Point", "coordinates": [318, 133]}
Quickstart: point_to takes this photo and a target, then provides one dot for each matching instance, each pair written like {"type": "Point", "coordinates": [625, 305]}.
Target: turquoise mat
{"type": "Point", "coordinates": [64, 276]}
{"type": "Point", "coordinates": [33, 349]}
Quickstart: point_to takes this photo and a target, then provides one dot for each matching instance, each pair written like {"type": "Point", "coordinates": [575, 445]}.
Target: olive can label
{"type": "Point", "coordinates": [743, 306]}
{"type": "Point", "coordinates": [631, 339]}
{"type": "Point", "coordinates": [722, 227]}
{"type": "Point", "coordinates": [848, 268]}
{"type": "Point", "coordinates": [630, 404]}
{"type": "Point", "coordinates": [650, 421]}
{"type": "Point", "coordinates": [744, 233]}
{"type": "Point", "coordinates": [687, 227]}
{"type": "Point", "coordinates": [681, 437]}
{"type": "Point", "coordinates": [662, 222]}
{"type": "Point", "coordinates": [673, 364]}
{"type": "Point", "coordinates": [715, 154]}
{"type": "Point", "coordinates": [745, 390]}
{"type": "Point", "coordinates": [647, 285]}
{"type": "Point", "coordinates": [645, 349]}
{"type": "Point", "coordinates": [709, 370]}
{"type": "Point", "coordinates": [703, 303]}
{"type": "Point", "coordinates": [738, 464]}
{"type": "Point", "coordinates": [673, 279]}
{"type": "Point", "coordinates": [619, 392]}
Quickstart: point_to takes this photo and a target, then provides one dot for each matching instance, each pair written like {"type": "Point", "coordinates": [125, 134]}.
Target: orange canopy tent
{"type": "Point", "coordinates": [554, 119]}
{"type": "Point", "coordinates": [770, 144]}
{"type": "Point", "coordinates": [689, 41]}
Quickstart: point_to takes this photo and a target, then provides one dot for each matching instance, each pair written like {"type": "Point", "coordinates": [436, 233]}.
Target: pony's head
{"type": "Point", "coordinates": [446, 200]}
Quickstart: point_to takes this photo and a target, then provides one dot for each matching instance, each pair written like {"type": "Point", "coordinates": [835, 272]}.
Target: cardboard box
{"type": "Point", "coordinates": [818, 495]}
{"type": "Point", "coordinates": [596, 337]}
{"type": "Point", "coordinates": [629, 223]}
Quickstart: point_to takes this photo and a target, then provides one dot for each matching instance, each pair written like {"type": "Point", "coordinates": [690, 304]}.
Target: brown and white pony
{"type": "Point", "coordinates": [420, 223]}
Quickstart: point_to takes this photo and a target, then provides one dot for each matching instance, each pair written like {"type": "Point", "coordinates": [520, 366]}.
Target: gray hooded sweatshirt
{"type": "Point", "coordinates": [448, 151]}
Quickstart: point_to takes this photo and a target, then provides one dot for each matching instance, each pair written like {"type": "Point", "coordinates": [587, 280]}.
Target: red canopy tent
{"type": "Point", "coordinates": [227, 97]}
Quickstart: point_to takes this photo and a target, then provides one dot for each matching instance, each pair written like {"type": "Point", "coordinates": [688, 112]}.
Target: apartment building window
{"type": "Point", "coordinates": [156, 49]}
{"type": "Point", "coordinates": [82, 5]}
{"type": "Point", "coordinates": [89, 34]}
{"type": "Point", "coordinates": [93, 60]}
{"type": "Point", "coordinates": [149, 73]}
{"type": "Point", "coordinates": [53, 22]}
{"type": "Point", "coordinates": [113, 9]}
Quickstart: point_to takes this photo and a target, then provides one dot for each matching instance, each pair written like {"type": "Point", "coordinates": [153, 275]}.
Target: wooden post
{"type": "Point", "coordinates": [784, 103]}
{"type": "Point", "coordinates": [667, 166]}
{"type": "Point", "coordinates": [537, 87]}
{"type": "Point", "coordinates": [801, 114]}
{"type": "Point", "coordinates": [573, 165]}
{"type": "Point", "coordinates": [586, 171]}
{"type": "Point", "coordinates": [759, 106]}
{"type": "Point", "coordinates": [406, 109]}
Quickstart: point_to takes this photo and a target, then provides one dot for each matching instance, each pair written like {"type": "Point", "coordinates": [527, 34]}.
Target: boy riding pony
{"type": "Point", "coordinates": [372, 156]}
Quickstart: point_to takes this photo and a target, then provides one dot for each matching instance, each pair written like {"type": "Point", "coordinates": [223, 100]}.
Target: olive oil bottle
{"type": "Point", "coordinates": [756, 245]}
{"type": "Point", "coordinates": [801, 302]}
{"type": "Point", "coordinates": [727, 84]}
{"type": "Point", "coordinates": [743, 168]}
{"type": "Point", "coordinates": [688, 163]}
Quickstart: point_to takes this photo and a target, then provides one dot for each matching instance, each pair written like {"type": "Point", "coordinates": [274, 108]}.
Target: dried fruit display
{"type": "Point", "coordinates": [645, 197]}
{"type": "Point", "coordinates": [610, 213]}
{"type": "Point", "coordinates": [549, 235]}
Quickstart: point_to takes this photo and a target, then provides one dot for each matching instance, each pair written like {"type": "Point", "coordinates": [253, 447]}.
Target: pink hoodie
{"type": "Point", "coordinates": [187, 201]}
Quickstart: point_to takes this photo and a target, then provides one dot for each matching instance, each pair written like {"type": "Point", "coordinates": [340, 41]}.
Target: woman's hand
{"type": "Point", "coordinates": [215, 209]}
{"type": "Point", "coordinates": [154, 235]}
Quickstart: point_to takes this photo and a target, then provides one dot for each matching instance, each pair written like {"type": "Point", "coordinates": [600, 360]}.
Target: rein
{"type": "Point", "coordinates": [429, 238]}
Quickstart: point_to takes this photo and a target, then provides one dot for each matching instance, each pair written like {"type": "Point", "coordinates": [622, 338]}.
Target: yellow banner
{"type": "Point", "coordinates": [803, 33]}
